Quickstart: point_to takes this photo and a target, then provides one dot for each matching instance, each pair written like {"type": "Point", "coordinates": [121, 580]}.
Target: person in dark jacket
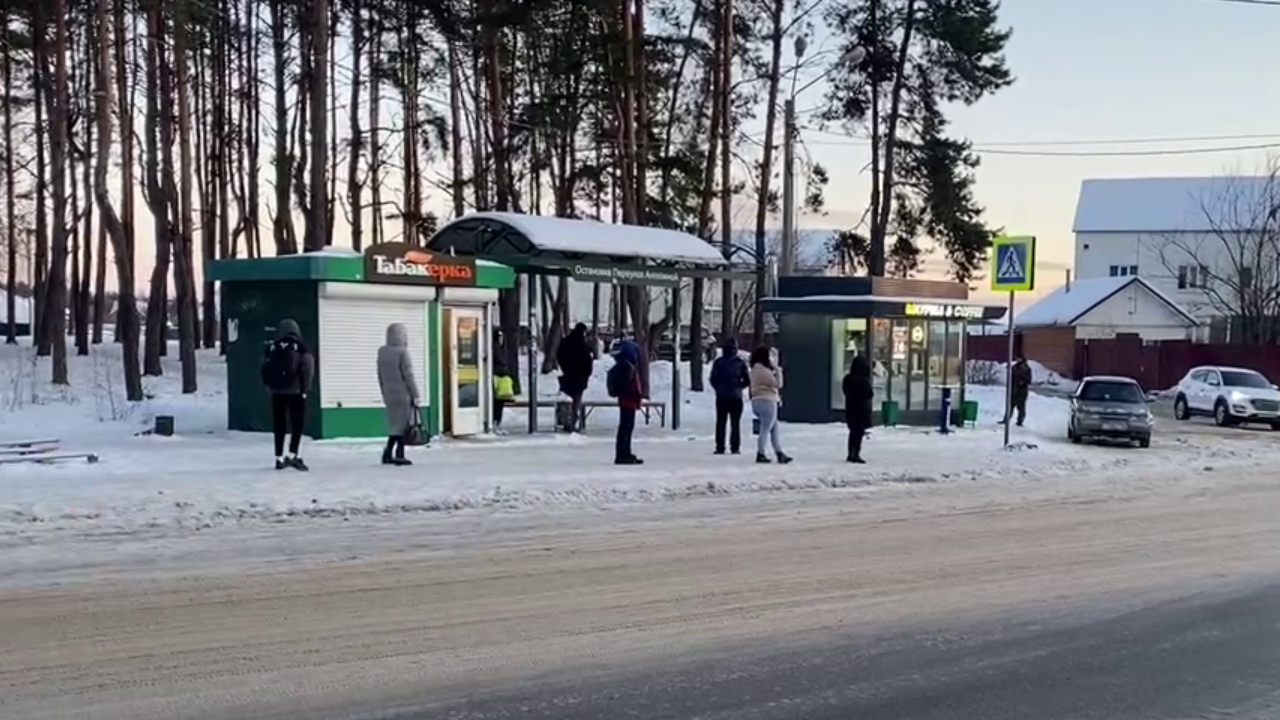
{"type": "Point", "coordinates": [729, 377]}
{"type": "Point", "coordinates": [288, 368]}
{"type": "Point", "coordinates": [625, 385]}
{"type": "Point", "coordinates": [857, 405]}
{"type": "Point", "coordinates": [576, 360]}
{"type": "Point", "coordinates": [1020, 388]}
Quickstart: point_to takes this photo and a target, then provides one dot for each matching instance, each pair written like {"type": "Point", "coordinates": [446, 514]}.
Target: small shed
{"type": "Point", "coordinates": [1098, 309]}
{"type": "Point", "coordinates": [343, 302]}
{"type": "Point", "coordinates": [586, 251]}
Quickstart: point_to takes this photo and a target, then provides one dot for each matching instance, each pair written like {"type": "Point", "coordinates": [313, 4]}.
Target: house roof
{"type": "Point", "coordinates": [542, 234]}
{"type": "Point", "coordinates": [1168, 204]}
{"type": "Point", "coordinates": [1069, 303]}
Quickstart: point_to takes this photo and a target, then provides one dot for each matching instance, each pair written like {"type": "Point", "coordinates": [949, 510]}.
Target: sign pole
{"type": "Point", "coordinates": [675, 367]}
{"type": "Point", "coordinates": [1008, 374]}
{"type": "Point", "coordinates": [531, 299]}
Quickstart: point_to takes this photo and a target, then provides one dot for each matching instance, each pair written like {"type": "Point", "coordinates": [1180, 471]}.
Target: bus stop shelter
{"type": "Point", "coordinates": [585, 251]}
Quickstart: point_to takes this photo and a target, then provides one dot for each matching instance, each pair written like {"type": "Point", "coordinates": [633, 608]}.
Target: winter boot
{"type": "Point", "coordinates": [784, 458]}
{"type": "Point", "coordinates": [296, 463]}
{"type": "Point", "coordinates": [857, 460]}
{"type": "Point", "coordinates": [762, 458]}
{"type": "Point", "coordinates": [400, 460]}
{"type": "Point", "coordinates": [281, 463]}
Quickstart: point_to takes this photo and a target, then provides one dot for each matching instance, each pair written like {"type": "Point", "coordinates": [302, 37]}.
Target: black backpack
{"type": "Point", "coordinates": [280, 367]}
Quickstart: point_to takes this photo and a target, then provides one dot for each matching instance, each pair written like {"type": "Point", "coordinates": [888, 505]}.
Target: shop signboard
{"type": "Point", "coordinates": [624, 274]}
{"type": "Point", "coordinates": [407, 264]}
{"type": "Point", "coordinates": [942, 311]}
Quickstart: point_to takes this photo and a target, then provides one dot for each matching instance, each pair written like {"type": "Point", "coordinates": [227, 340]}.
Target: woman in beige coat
{"type": "Point", "coordinates": [766, 395]}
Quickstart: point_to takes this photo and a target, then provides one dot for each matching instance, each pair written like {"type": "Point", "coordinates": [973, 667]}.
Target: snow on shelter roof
{"type": "Point", "coordinates": [1069, 303]}
{"type": "Point", "coordinates": [591, 237]}
{"type": "Point", "coordinates": [1170, 204]}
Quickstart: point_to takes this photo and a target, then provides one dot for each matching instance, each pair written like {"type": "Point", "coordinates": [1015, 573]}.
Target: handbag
{"type": "Point", "coordinates": [416, 435]}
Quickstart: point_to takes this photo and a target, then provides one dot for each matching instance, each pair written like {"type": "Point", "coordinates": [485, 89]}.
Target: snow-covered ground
{"type": "Point", "coordinates": [206, 478]}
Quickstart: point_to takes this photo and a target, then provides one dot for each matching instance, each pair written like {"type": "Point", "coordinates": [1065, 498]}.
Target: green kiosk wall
{"type": "Point", "coordinates": [343, 303]}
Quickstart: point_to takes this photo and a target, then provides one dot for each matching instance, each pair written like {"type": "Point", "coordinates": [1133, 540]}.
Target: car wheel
{"type": "Point", "coordinates": [1222, 414]}
{"type": "Point", "coordinates": [1071, 434]}
{"type": "Point", "coordinates": [1275, 426]}
{"type": "Point", "coordinates": [1144, 441]}
{"type": "Point", "coordinates": [1181, 410]}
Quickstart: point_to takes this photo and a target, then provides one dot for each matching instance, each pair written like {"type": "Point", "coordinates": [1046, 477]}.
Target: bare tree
{"type": "Point", "coordinates": [1235, 261]}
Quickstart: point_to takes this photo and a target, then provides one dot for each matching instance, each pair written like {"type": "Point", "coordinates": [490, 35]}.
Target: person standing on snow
{"type": "Point", "coordinates": [400, 394]}
{"type": "Point", "coordinates": [504, 391]}
{"type": "Point", "coordinates": [729, 377]}
{"type": "Point", "coordinates": [1020, 388]}
{"type": "Point", "coordinates": [624, 384]}
{"type": "Point", "coordinates": [857, 405]}
{"type": "Point", "coordinates": [576, 361]}
{"type": "Point", "coordinates": [766, 396]}
{"type": "Point", "coordinates": [288, 367]}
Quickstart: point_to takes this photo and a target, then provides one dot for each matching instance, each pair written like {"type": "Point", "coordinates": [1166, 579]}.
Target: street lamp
{"type": "Point", "coordinates": [853, 56]}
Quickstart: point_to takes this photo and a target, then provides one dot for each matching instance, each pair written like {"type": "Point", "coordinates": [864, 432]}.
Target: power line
{"type": "Point", "coordinates": [1267, 3]}
{"type": "Point", "coordinates": [1128, 153]}
{"type": "Point", "coordinates": [1107, 141]}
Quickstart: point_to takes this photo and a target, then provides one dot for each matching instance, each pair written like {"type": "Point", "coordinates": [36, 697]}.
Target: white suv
{"type": "Point", "coordinates": [1229, 395]}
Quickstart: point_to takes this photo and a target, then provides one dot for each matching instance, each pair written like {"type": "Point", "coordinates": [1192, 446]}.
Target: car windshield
{"type": "Point", "coordinates": [1111, 391]}
{"type": "Point", "coordinates": [1245, 379]}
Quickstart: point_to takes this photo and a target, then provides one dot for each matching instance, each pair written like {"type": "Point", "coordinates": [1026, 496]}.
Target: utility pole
{"type": "Point", "coordinates": [788, 252]}
{"type": "Point", "coordinates": [728, 328]}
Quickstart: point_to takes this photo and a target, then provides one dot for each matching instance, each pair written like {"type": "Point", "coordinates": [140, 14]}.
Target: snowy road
{"type": "Point", "coordinates": [521, 613]}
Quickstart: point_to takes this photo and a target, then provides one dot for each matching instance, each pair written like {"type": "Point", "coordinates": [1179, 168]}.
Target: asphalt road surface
{"type": "Point", "coordinates": [1161, 602]}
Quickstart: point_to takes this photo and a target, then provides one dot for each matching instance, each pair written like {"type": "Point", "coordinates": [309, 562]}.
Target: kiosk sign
{"type": "Point", "coordinates": [624, 274]}
{"type": "Point", "coordinates": [411, 265]}
{"type": "Point", "coordinates": [936, 310]}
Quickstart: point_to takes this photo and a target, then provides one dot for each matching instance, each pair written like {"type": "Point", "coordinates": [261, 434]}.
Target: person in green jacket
{"type": "Point", "coordinates": [504, 391]}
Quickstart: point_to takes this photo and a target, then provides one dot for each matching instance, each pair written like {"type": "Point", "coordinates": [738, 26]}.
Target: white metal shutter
{"type": "Point", "coordinates": [351, 331]}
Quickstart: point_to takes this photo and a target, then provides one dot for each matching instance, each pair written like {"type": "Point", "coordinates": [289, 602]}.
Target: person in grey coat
{"type": "Point", "coordinates": [399, 392]}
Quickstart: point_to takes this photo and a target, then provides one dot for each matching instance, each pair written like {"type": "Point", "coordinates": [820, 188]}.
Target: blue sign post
{"type": "Point", "coordinates": [1013, 270]}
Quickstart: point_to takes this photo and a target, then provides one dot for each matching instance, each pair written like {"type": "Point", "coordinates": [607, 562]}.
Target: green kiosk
{"type": "Point", "coordinates": [344, 301]}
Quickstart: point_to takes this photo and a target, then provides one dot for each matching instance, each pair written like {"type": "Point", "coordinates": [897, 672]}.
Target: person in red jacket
{"type": "Point", "coordinates": [624, 384]}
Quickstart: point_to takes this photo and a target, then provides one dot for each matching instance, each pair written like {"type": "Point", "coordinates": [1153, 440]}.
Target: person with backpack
{"type": "Point", "coordinates": [504, 391]}
{"type": "Point", "coordinates": [729, 377]}
{"type": "Point", "coordinates": [857, 405]}
{"type": "Point", "coordinates": [623, 383]}
{"type": "Point", "coordinates": [400, 394]}
{"type": "Point", "coordinates": [576, 361]}
{"type": "Point", "coordinates": [766, 396]}
{"type": "Point", "coordinates": [288, 368]}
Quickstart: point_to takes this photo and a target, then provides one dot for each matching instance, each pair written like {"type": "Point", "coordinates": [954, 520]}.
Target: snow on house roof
{"type": "Point", "coordinates": [1067, 304]}
{"type": "Point", "coordinates": [591, 237]}
{"type": "Point", "coordinates": [1166, 204]}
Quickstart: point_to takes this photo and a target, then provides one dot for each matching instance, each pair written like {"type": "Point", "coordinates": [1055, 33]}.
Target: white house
{"type": "Point", "coordinates": [1178, 234]}
{"type": "Point", "coordinates": [1104, 307]}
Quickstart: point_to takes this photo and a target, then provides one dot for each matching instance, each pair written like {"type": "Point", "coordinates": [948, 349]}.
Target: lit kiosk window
{"type": "Point", "coordinates": [911, 331]}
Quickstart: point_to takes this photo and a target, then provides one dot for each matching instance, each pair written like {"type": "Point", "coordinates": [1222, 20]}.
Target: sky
{"type": "Point", "coordinates": [1097, 70]}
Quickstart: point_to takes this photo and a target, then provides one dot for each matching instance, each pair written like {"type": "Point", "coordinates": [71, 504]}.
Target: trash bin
{"type": "Point", "coordinates": [889, 415]}
{"type": "Point", "coordinates": [944, 416]}
{"type": "Point", "coordinates": [969, 418]}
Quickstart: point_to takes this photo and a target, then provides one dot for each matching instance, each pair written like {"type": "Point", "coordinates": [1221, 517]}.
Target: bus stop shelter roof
{"type": "Point", "coordinates": [522, 240]}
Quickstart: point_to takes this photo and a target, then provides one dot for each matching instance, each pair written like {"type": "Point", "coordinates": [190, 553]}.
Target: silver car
{"type": "Point", "coordinates": [1113, 408]}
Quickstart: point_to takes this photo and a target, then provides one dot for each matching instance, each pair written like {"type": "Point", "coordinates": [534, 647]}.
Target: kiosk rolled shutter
{"type": "Point", "coordinates": [351, 331]}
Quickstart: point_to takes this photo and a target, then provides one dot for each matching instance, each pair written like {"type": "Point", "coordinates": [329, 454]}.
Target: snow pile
{"type": "Point", "coordinates": [987, 372]}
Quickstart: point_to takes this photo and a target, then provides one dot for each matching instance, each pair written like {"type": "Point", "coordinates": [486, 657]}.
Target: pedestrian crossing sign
{"type": "Point", "coordinates": [1013, 264]}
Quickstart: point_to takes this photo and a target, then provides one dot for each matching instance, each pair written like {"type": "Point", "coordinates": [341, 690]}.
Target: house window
{"type": "Point", "coordinates": [1124, 270]}
{"type": "Point", "coordinates": [1192, 277]}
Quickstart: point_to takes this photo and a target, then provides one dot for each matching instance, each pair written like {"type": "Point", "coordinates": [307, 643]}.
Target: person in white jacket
{"type": "Point", "coordinates": [766, 396]}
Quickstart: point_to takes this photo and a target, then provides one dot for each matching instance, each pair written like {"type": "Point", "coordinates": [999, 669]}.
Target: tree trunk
{"type": "Point", "coordinates": [83, 296]}
{"type": "Point", "coordinates": [184, 277]}
{"type": "Point", "coordinates": [127, 307]}
{"type": "Point", "coordinates": [355, 194]}
{"type": "Point", "coordinates": [57, 290]}
{"type": "Point", "coordinates": [127, 186]}
{"type": "Point", "coordinates": [156, 339]}
{"type": "Point", "coordinates": [880, 225]}
{"type": "Point", "coordinates": [319, 32]}
{"type": "Point", "coordinates": [39, 326]}
{"type": "Point", "coordinates": [10, 221]}
{"type": "Point", "coordinates": [766, 163]}
{"type": "Point", "coordinates": [285, 238]}
{"type": "Point", "coordinates": [375, 132]}
{"type": "Point", "coordinates": [509, 300]}
{"type": "Point", "coordinates": [455, 129]}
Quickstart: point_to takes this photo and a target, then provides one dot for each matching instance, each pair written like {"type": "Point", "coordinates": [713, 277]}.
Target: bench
{"type": "Point", "coordinates": [648, 408]}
